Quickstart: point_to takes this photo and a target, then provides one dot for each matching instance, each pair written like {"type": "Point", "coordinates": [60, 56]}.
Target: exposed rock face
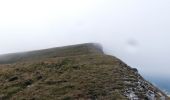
{"type": "Point", "coordinates": [79, 72]}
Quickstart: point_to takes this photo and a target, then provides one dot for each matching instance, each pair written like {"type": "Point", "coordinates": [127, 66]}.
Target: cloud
{"type": "Point", "coordinates": [133, 30]}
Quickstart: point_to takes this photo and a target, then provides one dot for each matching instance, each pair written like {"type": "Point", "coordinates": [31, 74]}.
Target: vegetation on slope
{"type": "Point", "coordinates": [86, 74]}
{"type": "Point", "coordinates": [72, 50]}
{"type": "Point", "coordinates": [82, 77]}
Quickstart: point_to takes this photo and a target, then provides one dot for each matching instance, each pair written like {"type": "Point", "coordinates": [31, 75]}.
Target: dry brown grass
{"type": "Point", "coordinates": [79, 72]}
{"type": "Point", "coordinates": [67, 78]}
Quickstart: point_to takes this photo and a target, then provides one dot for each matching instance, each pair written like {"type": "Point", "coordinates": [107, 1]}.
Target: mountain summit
{"type": "Point", "coordinates": [77, 72]}
{"type": "Point", "coordinates": [73, 50]}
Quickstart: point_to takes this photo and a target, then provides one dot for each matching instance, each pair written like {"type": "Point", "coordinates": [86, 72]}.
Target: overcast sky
{"type": "Point", "coordinates": [137, 31]}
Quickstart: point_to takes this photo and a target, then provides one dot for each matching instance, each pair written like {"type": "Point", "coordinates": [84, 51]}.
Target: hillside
{"type": "Point", "coordinates": [73, 50]}
{"type": "Point", "coordinates": [78, 72]}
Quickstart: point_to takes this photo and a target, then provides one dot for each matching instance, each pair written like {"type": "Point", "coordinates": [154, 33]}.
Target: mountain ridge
{"type": "Point", "coordinates": [70, 50]}
{"type": "Point", "coordinates": [76, 72]}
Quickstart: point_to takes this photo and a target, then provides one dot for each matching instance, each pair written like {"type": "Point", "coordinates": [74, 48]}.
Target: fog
{"type": "Point", "coordinates": [136, 31]}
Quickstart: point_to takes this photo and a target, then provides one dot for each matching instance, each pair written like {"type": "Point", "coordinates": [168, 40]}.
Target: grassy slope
{"type": "Point", "coordinates": [73, 50]}
{"type": "Point", "coordinates": [79, 72]}
{"type": "Point", "coordinates": [82, 77]}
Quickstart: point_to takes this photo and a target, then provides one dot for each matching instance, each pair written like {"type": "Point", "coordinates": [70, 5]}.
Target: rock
{"type": "Point", "coordinates": [150, 95]}
{"type": "Point", "coordinates": [135, 69]}
{"type": "Point", "coordinates": [28, 82]}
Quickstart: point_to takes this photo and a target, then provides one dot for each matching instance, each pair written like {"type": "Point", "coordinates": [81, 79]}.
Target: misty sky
{"type": "Point", "coordinates": [137, 31]}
